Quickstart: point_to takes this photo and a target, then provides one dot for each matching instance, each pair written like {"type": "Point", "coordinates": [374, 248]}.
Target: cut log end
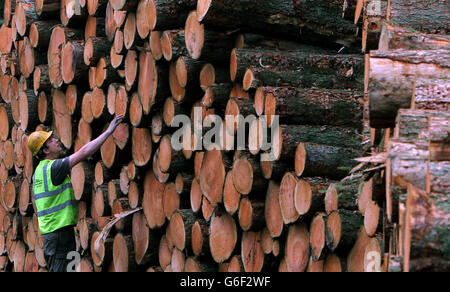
{"type": "Point", "coordinates": [195, 35]}
{"type": "Point", "coordinates": [243, 176]}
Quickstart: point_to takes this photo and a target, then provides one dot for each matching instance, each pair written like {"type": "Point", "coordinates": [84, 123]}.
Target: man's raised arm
{"type": "Point", "coordinates": [90, 148]}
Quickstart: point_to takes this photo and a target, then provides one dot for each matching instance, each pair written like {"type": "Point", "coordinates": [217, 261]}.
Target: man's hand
{"type": "Point", "coordinates": [90, 148]}
{"type": "Point", "coordinates": [114, 123]}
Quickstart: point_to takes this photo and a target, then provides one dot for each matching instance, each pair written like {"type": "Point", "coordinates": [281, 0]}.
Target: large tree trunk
{"type": "Point", "coordinates": [321, 21]}
{"type": "Point", "coordinates": [392, 75]}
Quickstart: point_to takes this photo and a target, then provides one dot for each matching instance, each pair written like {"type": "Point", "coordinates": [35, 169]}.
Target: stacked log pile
{"type": "Point", "coordinates": [407, 99]}
{"type": "Point", "coordinates": [146, 205]}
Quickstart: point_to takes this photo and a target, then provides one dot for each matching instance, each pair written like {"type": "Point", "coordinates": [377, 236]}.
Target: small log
{"type": "Point", "coordinates": [332, 264]}
{"type": "Point", "coordinates": [231, 197]}
{"type": "Point", "coordinates": [164, 14]}
{"type": "Point", "coordinates": [145, 242]}
{"type": "Point", "coordinates": [297, 248]}
{"type": "Point", "coordinates": [29, 114]}
{"type": "Point", "coordinates": [200, 238]}
{"type": "Point", "coordinates": [73, 68]}
{"type": "Point", "coordinates": [223, 236]}
{"type": "Point", "coordinates": [341, 230]}
{"type": "Point", "coordinates": [6, 121]}
{"type": "Point", "coordinates": [196, 196]}
{"type": "Point", "coordinates": [164, 253]}
{"type": "Point", "coordinates": [25, 203]}
{"type": "Point", "coordinates": [173, 44]}
{"type": "Point", "coordinates": [355, 259]}
{"type": "Point", "coordinates": [251, 214]}
{"type": "Point", "coordinates": [313, 106]}
{"type": "Point", "coordinates": [141, 146]}
{"type": "Point", "coordinates": [60, 35]}
{"type": "Point", "coordinates": [335, 162]}
{"type": "Point", "coordinates": [192, 265]}
{"type": "Point", "coordinates": [105, 74]}
{"type": "Point", "coordinates": [40, 32]}
{"type": "Point", "coordinates": [252, 253]}
{"type": "Point", "coordinates": [100, 201]}
{"type": "Point", "coordinates": [73, 98]}
{"type": "Point", "coordinates": [287, 198]}
{"type": "Point", "coordinates": [171, 200]}
{"type": "Point", "coordinates": [95, 27]}
{"type": "Point", "coordinates": [82, 176]}
{"type": "Point", "coordinates": [156, 44]}
{"type": "Point", "coordinates": [153, 201]}
{"type": "Point", "coordinates": [371, 218]}
{"type": "Point", "coordinates": [272, 213]}
{"type": "Point", "coordinates": [123, 253]}
{"type": "Point", "coordinates": [207, 209]}
{"type": "Point", "coordinates": [207, 45]}
{"type": "Point", "coordinates": [94, 49]}
{"type": "Point", "coordinates": [317, 237]}
{"type": "Point", "coordinates": [309, 196]}
{"type": "Point", "coordinates": [62, 119]}
{"type": "Point", "coordinates": [247, 176]}
{"type": "Point", "coordinates": [212, 175]}
{"type": "Point", "coordinates": [96, 7]}
{"type": "Point", "coordinates": [170, 159]}
{"type": "Point", "coordinates": [180, 229]}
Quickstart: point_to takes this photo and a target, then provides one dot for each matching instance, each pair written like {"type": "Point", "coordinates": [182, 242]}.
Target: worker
{"type": "Point", "coordinates": [53, 195]}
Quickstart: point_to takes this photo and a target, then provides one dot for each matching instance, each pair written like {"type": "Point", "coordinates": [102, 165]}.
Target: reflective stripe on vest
{"type": "Point", "coordinates": [56, 205]}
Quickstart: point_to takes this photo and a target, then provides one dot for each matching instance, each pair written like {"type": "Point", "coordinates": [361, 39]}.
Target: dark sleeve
{"type": "Point", "coordinates": [60, 170]}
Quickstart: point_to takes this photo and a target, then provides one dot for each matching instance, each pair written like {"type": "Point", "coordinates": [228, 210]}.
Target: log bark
{"type": "Point", "coordinates": [313, 106]}
{"type": "Point", "coordinates": [73, 68]}
{"type": "Point", "coordinates": [317, 237]}
{"type": "Point", "coordinates": [439, 129]}
{"type": "Point", "coordinates": [431, 94]}
{"type": "Point", "coordinates": [398, 38]}
{"type": "Point", "coordinates": [409, 162]}
{"type": "Point", "coordinates": [47, 8]}
{"type": "Point", "coordinates": [319, 22]}
{"type": "Point", "coordinates": [328, 161]}
{"type": "Point", "coordinates": [341, 230]}
{"type": "Point", "coordinates": [286, 139]}
{"type": "Point", "coordinates": [309, 196]}
{"type": "Point", "coordinates": [94, 49]}
{"type": "Point", "coordinates": [425, 233]}
{"type": "Point", "coordinates": [423, 16]}
{"type": "Point", "coordinates": [404, 65]}
{"type": "Point", "coordinates": [315, 69]}
{"type": "Point", "coordinates": [180, 229]}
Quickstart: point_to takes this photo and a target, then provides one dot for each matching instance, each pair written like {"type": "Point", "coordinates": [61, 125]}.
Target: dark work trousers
{"type": "Point", "coordinates": [57, 245]}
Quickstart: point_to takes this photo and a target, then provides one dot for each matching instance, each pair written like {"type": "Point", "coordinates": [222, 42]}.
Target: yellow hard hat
{"type": "Point", "coordinates": [37, 139]}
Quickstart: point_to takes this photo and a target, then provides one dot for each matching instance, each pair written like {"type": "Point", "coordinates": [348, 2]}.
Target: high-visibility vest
{"type": "Point", "coordinates": [56, 206]}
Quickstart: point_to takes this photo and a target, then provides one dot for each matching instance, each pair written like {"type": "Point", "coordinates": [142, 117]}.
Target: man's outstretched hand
{"type": "Point", "coordinates": [114, 123]}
